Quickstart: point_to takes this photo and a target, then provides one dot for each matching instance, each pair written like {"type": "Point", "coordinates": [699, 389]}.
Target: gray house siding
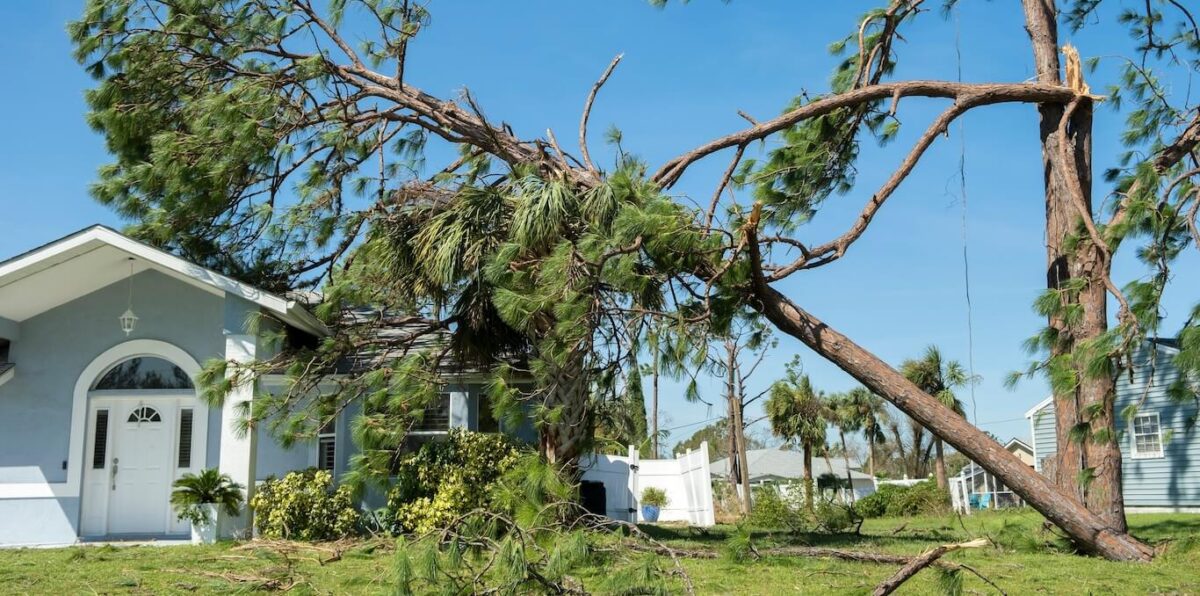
{"type": "Point", "coordinates": [1170, 481]}
{"type": "Point", "coordinates": [53, 349]}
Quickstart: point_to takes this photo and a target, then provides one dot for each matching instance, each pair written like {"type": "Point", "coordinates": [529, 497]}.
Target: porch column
{"type": "Point", "coordinates": [238, 446]}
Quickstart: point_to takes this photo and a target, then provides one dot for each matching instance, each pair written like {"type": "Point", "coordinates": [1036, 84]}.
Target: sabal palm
{"type": "Point", "coordinates": [797, 414]}
{"type": "Point", "coordinates": [209, 487]}
{"type": "Point", "coordinates": [938, 377]}
{"type": "Point", "coordinates": [872, 418]}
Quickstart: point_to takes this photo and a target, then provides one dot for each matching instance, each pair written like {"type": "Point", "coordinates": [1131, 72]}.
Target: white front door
{"type": "Point", "coordinates": [141, 468]}
{"type": "Point", "coordinates": [134, 455]}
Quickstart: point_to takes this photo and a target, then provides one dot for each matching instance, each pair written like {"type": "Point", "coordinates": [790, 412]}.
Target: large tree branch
{"type": "Point", "coordinates": [833, 250]}
{"type": "Point", "coordinates": [987, 93]}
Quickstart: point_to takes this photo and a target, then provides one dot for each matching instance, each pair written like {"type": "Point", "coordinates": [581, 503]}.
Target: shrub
{"type": "Point", "coordinates": [655, 497]}
{"type": "Point", "coordinates": [209, 487]}
{"type": "Point", "coordinates": [446, 479]}
{"type": "Point", "coordinates": [891, 500]}
{"type": "Point", "coordinates": [305, 506]}
{"type": "Point", "coordinates": [779, 508]}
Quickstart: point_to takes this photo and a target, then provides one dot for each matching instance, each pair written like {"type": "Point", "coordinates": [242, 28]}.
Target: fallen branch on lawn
{"type": "Point", "coordinates": [917, 564]}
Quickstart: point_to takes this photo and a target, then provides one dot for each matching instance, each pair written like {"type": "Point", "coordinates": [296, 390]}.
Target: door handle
{"type": "Point", "coordinates": [114, 473]}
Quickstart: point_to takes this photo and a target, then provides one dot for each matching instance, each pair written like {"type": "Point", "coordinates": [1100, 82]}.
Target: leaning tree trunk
{"type": "Point", "coordinates": [1090, 402]}
{"type": "Point", "coordinates": [1090, 531]}
{"type": "Point", "coordinates": [939, 464]}
{"type": "Point", "coordinates": [739, 429]}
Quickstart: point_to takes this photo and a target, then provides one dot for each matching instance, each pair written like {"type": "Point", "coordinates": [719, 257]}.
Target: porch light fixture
{"type": "Point", "coordinates": [128, 319]}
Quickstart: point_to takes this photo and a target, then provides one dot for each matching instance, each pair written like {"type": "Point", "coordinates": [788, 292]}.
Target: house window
{"type": "Point", "coordinates": [144, 414]}
{"type": "Point", "coordinates": [100, 441]}
{"type": "Point", "coordinates": [144, 373]}
{"type": "Point", "coordinates": [327, 447]}
{"type": "Point", "coordinates": [1147, 436]}
{"type": "Point", "coordinates": [437, 416]}
{"type": "Point", "coordinates": [487, 422]}
{"type": "Point", "coordinates": [185, 438]}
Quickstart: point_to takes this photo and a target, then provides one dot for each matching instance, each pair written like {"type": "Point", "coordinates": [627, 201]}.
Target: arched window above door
{"type": "Point", "coordinates": [144, 414]}
{"type": "Point", "coordinates": [144, 372]}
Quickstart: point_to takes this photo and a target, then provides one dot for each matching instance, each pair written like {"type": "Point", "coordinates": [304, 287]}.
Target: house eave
{"type": "Point", "coordinates": [1039, 407]}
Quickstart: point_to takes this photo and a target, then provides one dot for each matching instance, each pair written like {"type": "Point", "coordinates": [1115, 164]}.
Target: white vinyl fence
{"type": "Point", "coordinates": [687, 481]}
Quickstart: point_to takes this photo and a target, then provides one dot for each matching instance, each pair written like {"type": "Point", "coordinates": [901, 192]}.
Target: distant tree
{"type": "Point", "coordinates": [938, 377]}
{"type": "Point", "coordinates": [798, 415]}
{"type": "Point", "coordinates": [716, 434]}
{"type": "Point", "coordinates": [870, 411]}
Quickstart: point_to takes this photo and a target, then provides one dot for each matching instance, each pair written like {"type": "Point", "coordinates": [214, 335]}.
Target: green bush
{"type": "Point", "coordinates": [304, 506]}
{"type": "Point", "coordinates": [891, 500]}
{"type": "Point", "coordinates": [776, 508]}
{"type": "Point", "coordinates": [445, 479]}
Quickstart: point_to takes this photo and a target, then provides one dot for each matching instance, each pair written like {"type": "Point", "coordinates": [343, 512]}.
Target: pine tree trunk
{"type": "Point", "coordinates": [939, 465]}
{"type": "Point", "coordinates": [1091, 402]}
{"type": "Point", "coordinates": [735, 462]}
{"type": "Point", "coordinates": [743, 459]}
{"type": "Point", "coordinates": [1090, 531]}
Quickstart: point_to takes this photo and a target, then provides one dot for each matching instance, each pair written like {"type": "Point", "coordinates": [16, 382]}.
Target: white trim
{"type": "Point", "coordinates": [79, 410]}
{"type": "Point", "coordinates": [1133, 435]}
{"type": "Point", "coordinates": [1039, 407]}
{"type": "Point", "coordinates": [82, 242]}
{"type": "Point", "coordinates": [1019, 442]}
{"type": "Point", "coordinates": [1037, 464]}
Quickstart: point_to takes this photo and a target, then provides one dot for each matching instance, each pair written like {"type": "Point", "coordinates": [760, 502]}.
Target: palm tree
{"type": "Point", "coordinates": [844, 416]}
{"type": "Point", "coordinates": [870, 410]}
{"type": "Point", "coordinates": [938, 377]}
{"type": "Point", "coordinates": [797, 414]}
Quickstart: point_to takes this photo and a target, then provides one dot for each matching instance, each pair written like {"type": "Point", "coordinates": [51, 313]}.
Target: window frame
{"type": "Point", "coordinates": [449, 395]}
{"type": "Point", "coordinates": [1134, 453]}
{"type": "Point", "coordinates": [327, 434]}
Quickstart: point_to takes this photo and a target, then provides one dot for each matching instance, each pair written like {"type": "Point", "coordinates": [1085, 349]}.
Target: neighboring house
{"type": "Point", "coordinates": [780, 465]}
{"type": "Point", "coordinates": [1021, 449]}
{"type": "Point", "coordinates": [1160, 444]}
{"type": "Point", "coordinates": [976, 488]}
{"type": "Point", "coordinates": [98, 409]}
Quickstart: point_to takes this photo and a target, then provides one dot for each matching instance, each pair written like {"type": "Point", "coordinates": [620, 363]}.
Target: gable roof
{"type": "Point", "coordinates": [783, 463]}
{"type": "Point", "coordinates": [78, 264]}
{"type": "Point", "coordinates": [1019, 443]}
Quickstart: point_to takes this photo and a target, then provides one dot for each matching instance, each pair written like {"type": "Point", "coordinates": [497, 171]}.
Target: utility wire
{"type": "Point", "coordinates": [962, 192]}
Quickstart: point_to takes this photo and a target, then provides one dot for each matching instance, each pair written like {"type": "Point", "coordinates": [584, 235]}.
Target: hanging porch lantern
{"type": "Point", "coordinates": [128, 319]}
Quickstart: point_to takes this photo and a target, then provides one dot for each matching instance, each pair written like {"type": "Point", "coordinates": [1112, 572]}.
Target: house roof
{"type": "Point", "coordinates": [783, 463]}
{"type": "Point", "coordinates": [1019, 443]}
{"type": "Point", "coordinates": [95, 257]}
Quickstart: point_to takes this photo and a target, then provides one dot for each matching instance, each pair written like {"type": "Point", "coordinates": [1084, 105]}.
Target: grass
{"type": "Point", "coordinates": [1024, 565]}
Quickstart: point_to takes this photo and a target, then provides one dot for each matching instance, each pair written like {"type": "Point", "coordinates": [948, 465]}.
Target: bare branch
{"type": "Point", "coordinates": [587, 112]}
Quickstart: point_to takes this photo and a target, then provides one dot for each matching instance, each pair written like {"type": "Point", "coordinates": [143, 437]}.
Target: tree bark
{"type": "Point", "coordinates": [654, 402]}
{"type": "Point", "coordinates": [564, 439]}
{"type": "Point", "coordinates": [1090, 402]}
{"type": "Point", "coordinates": [1090, 531]}
{"type": "Point", "coordinates": [939, 465]}
{"type": "Point", "coordinates": [743, 459]}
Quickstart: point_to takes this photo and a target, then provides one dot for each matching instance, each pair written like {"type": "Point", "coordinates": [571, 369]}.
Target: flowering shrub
{"type": "Point", "coordinates": [446, 479]}
{"type": "Point", "coordinates": [304, 506]}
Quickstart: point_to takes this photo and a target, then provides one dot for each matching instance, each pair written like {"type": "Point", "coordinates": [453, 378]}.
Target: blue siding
{"type": "Point", "coordinates": [1169, 481]}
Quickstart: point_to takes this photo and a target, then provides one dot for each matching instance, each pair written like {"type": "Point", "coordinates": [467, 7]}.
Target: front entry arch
{"type": "Point", "coordinates": [143, 427]}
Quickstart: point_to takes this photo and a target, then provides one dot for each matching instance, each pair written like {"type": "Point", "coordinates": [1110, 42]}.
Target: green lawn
{"type": "Point", "coordinates": [365, 568]}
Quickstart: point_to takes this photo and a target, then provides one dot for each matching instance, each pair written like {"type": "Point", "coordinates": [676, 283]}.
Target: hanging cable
{"type": "Point", "coordinates": [962, 193]}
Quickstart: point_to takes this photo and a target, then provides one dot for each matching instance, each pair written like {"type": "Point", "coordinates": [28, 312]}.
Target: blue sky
{"type": "Point", "coordinates": [686, 72]}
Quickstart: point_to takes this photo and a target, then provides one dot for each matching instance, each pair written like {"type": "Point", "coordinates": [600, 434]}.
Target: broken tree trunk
{"type": "Point", "coordinates": [1090, 402]}
{"type": "Point", "coordinates": [1090, 531]}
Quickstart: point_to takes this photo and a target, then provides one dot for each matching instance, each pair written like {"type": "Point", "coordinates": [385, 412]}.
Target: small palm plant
{"type": "Point", "coordinates": [197, 497]}
{"type": "Point", "coordinates": [653, 500]}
